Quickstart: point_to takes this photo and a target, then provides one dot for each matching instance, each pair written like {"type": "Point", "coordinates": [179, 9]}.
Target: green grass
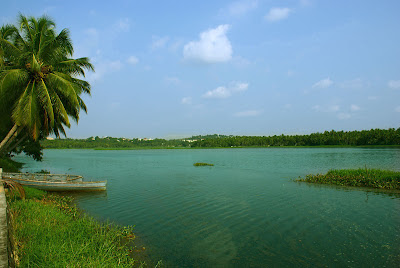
{"type": "Point", "coordinates": [9, 165]}
{"type": "Point", "coordinates": [50, 232]}
{"type": "Point", "coordinates": [202, 164]}
{"type": "Point", "coordinates": [374, 178]}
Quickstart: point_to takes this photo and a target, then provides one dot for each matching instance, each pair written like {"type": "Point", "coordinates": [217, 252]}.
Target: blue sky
{"type": "Point", "coordinates": [249, 67]}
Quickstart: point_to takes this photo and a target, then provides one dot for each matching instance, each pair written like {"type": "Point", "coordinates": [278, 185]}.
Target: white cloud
{"type": "Point", "coordinates": [397, 109]}
{"type": "Point", "coordinates": [372, 98]}
{"type": "Point", "coordinates": [248, 113]}
{"type": "Point", "coordinates": [278, 13]}
{"type": "Point", "coordinates": [123, 25]}
{"type": "Point", "coordinates": [394, 84]}
{"type": "Point", "coordinates": [133, 60]}
{"type": "Point", "coordinates": [324, 83]}
{"type": "Point", "coordinates": [224, 92]}
{"type": "Point", "coordinates": [354, 108]}
{"type": "Point", "coordinates": [239, 8]}
{"type": "Point", "coordinates": [218, 93]}
{"type": "Point", "coordinates": [186, 100]}
{"type": "Point", "coordinates": [239, 86]}
{"type": "Point", "coordinates": [159, 42]}
{"type": "Point", "coordinates": [213, 46]}
{"type": "Point", "coordinates": [344, 116]}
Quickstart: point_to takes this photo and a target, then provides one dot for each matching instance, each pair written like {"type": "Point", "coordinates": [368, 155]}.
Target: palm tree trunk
{"type": "Point", "coordinates": [9, 138]}
{"type": "Point", "coordinates": [18, 142]}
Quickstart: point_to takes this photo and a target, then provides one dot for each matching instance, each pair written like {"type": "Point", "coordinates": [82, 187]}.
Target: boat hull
{"type": "Point", "coordinates": [43, 177]}
{"type": "Point", "coordinates": [57, 184]}
{"type": "Point", "coordinates": [64, 186]}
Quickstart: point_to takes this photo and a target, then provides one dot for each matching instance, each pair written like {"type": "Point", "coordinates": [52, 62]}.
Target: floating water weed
{"type": "Point", "coordinates": [202, 164]}
{"type": "Point", "coordinates": [375, 178]}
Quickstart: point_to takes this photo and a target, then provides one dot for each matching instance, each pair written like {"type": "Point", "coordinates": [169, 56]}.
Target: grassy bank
{"type": "Point", "coordinates": [374, 178]}
{"type": "Point", "coordinates": [50, 232]}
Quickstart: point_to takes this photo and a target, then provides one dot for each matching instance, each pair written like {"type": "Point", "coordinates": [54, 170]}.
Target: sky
{"type": "Point", "coordinates": [169, 69]}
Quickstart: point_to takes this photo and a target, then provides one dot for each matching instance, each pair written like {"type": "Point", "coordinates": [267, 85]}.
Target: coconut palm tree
{"type": "Point", "coordinates": [39, 79]}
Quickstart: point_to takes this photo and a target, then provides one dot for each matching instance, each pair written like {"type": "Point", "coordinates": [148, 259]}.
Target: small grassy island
{"type": "Point", "coordinates": [202, 164]}
{"type": "Point", "coordinates": [373, 178]}
{"type": "Point", "coordinates": [49, 231]}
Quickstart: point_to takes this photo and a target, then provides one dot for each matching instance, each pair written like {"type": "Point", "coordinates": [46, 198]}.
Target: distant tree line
{"type": "Point", "coordinates": [389, 136]}
{"type": "Point", "coordinates": [110, 142]}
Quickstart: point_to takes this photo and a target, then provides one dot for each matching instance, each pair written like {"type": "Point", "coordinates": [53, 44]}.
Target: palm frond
{"type": "Point", "coordinates": [74, 66]}
{"type": "Point", "coordinates": [63, 86]}
{"type": "Point", "coordinates": [15, 187]}
{"type": "Point", "coordinates": [39, 77]}
{"type": "Point", "coordinates": [45, 100]}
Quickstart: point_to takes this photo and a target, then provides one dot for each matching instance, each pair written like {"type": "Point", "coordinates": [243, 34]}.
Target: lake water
{"type": "Point", "coordinates": [245, 211]}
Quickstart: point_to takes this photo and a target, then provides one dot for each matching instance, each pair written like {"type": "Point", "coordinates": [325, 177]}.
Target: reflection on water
{"type": "Point", "coordinates": [246, 211]}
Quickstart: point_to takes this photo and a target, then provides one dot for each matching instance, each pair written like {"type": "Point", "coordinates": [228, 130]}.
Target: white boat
{"type": "Point", "coordinates": [55, 182]}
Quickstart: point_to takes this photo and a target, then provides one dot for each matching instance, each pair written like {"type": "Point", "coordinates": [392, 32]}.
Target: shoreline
{"type": "Point", "coordinates": [234, 147]}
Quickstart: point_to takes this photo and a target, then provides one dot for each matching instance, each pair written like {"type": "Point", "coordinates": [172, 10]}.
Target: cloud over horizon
{"type": "Point", "coordinates": [212, 47]}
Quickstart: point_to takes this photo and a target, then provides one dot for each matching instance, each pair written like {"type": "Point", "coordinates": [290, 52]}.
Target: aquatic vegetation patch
{"type": "Point", "coordinates": [202, 164]}
{"type": "Point", "coordinates": [374, 178]}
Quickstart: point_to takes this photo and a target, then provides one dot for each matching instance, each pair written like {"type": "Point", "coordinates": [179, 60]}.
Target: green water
{"type": "Point", "coordinates": [245, 211]}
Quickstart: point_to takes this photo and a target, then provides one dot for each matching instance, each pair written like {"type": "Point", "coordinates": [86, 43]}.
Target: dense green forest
{"type": "Point", "coordinates": [389, 136]}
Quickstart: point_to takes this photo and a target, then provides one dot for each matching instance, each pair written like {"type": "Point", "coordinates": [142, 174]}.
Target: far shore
{"type": "Point", "coordinates": [233, 147]}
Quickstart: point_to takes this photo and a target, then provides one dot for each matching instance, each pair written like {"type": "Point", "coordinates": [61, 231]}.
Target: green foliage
{"type": "Point", "coordinates": [389, 136]}
{"type": "Point", "coordinates": [375, 178]}
{"type": "Point", "coordinates": [382, 137]}
{"type": "Point", "coordinates": [112, 143]}
{"type": "Point", "coordinates": [9, 165]}
{"type": "Point", "coordinates": [50, 232]}
{"type": "Point", "coordinates": [202, 164]}
{"type": "Point", "coordinates": [39, 86]}
{"type": "Point", "coordinates": [32, 193]}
